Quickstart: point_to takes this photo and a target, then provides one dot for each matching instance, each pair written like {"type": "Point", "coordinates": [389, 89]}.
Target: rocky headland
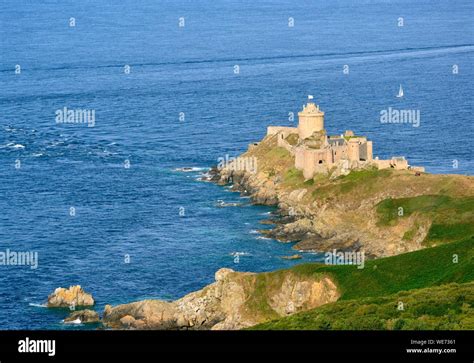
{"type": "Point", "coordinates": [340, 210]}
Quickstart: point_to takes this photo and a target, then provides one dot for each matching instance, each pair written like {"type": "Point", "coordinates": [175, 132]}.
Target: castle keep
{"type": "Point", "coordinates": [317, 152]}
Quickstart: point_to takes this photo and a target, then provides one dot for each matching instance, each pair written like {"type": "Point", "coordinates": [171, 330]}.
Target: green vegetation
{"type": "Point", "coordinates": [258, 301]}
{"type": "Point", "coordinates": [410, 234]}
{"type": "Point", "coordinates": [435, 285]}
{"type": "Point", "coordinates": [379, 280]}
{"type": "Point", "coordinates": [414, 270]}
{"type": "Point", "coordinates": [351, 137]}
{"type": "Point", "coordinates": [293, 177]}
{"type": "Point", "coordinates": [292, 139]}
{"type": "Point", "coordinates": [446, 232]}
{"type": "Point", "coordinates": [452, 218]}
{"type": "Point", "coordinates": [277, 153]}
{"type": "Point", "coordinates": [447, 307]}
{"type": "Point", "coordinates": [367, 180]}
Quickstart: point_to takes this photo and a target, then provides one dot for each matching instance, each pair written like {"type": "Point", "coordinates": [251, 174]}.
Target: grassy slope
{"type": "Point", "coordinates": [420, 269]}
{"type": "Point", "coordinates": [452, 218]}
{"type": "Point", "coordinates": [436, 292]}
{"type": "Point", "coordinates": [423, 268]}
{"type": "Point", "coordinates": [446, 307]}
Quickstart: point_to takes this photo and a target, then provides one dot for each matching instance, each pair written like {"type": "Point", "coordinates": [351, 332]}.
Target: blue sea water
{"type": "Point", "coordinates": [135, 211]}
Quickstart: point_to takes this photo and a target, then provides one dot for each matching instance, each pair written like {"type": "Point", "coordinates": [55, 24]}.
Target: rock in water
{"type": "Point", "coordinates": [292, 257]}
{"type": "Point", "coordinates": [75, 296]}
{"type": "Point", "coordinates": [84, 316]}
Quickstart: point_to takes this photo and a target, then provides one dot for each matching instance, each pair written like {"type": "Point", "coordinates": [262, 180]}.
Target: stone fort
{"type": "Point", "coordinates": [316, 152]}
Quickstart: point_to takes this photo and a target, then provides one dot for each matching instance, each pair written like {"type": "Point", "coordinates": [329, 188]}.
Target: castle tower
{"type": "Point", "coordinates": [310, 119]}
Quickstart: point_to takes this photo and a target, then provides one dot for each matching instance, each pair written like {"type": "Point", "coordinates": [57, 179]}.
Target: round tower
{"type": "Point", "coordinates": [310, 119]}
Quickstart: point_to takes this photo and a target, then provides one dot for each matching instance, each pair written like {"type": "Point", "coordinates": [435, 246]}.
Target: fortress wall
{"type": "Point", "coordinates": [285, 144]}
{"type": "Point", "coordinates": [370, 153]}
{"type": "Point", "coordinates": [299, 158]}
{"type": "Point", "coordinates": [400, 164]}
{"type": "Point", "coordinates": [353, 150]}
{"type": "Point", "coordinates": [309, 165]}
{"type": "Point", "coordinates": [311, 162]}
{"type": "Point", "coordinates": [273, 130]}
{"type": "Point", "coordinates": [382, 164]}
{"type": "Point", "coordinates": [395, 163]}
{"type": "Point", "coordinates": [252, 146]}
{"type": "Point", "coordinates": [337, 153]}
{"type": "Point", "coordinates": [363, 151]}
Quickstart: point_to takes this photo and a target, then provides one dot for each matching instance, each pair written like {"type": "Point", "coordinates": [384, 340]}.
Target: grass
{"type": "Point", "coordinates": [293, 177]}
{"type": "Point", "coordinates": [277, 153]}
{"type": "Point", "coordinates": [447, 307]}
{"type": "Point", "coordinates": [414, 270]}
{"type": "Point", "coordinates": [292, 139]}
{"type": "Point", "coordinates": [427, 268]}
{"type": "Point", "coordinates": [258, 302]}
{"type": "Point", "coordinates": [452, 218]}
{"type": "Point", "coordinates": [366, 181]}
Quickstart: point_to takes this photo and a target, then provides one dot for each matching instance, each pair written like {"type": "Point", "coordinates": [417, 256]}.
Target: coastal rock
{"type": "Point", "coordinates": [84, 316]}
{"type": "Point", "coordinates": [293, 257]}
{"type": "Point", "coordinates": [74, 296]}
{"type": "Point", "coordinates": [296, 294]}
{"type": "Point", "coordinates": [228, 303]}
{"type": "Point", "coordinates": [222, 273]}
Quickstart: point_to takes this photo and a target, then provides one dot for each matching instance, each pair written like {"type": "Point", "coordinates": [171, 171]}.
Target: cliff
{"type": "Point", "coordinates": [236, 300]}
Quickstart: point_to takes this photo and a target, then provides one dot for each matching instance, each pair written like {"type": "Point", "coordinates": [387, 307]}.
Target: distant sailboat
{"type": "Point", "coordinates": [400, 92]}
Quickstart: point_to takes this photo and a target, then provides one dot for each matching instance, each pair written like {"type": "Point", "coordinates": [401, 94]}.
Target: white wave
{"type": "Point", "coordinates": [220, 203]}
{"type": "Point", "coordinates": [37, 305]}
{"type": "Point", "coordinates": [262, 237]}
{"type": "Point", "coordinates": [190, 169]}
{"type": "Point", "coordinates": [254, 231]}
{"type": "Point", "coordinates": [37, 154]}
{"type": "Point", "coordinates": [76, 321]}
{"type": "Point", "coordinates": [12, 145]}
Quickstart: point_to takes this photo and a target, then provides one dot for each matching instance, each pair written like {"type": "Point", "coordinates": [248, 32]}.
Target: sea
{"type": "Point", "coordinates": [180, 84]}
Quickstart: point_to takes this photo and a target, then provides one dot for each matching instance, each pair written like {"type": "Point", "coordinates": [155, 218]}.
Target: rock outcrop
{"type": "Point", "coordinates": [83, 316]}
{"type": "Point", "coordinates": [235, 300]}
{"type": "Point", "coordinates": [74, 296]}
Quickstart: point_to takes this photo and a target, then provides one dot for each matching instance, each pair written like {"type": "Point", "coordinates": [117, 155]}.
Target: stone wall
{"type": "Point", "coordinates": [281, 141]}
{"type": "Point", "coordinates": [273, 130]}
